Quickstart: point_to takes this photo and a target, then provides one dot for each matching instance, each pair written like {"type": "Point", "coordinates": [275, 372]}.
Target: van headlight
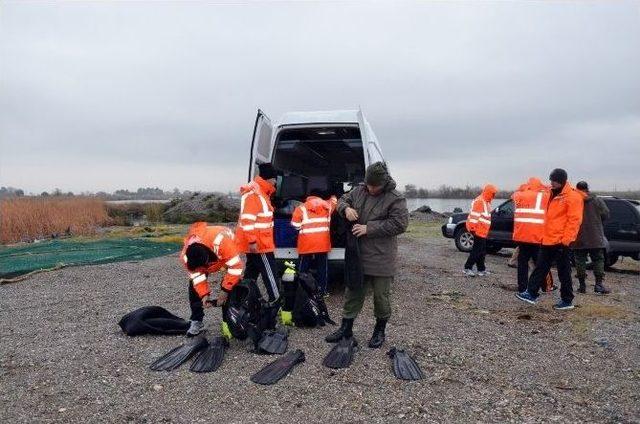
{"type": "Point", "coordinates": [450, 220]}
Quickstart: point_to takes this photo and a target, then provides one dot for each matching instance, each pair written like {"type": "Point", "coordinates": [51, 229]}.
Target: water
{"type": "Point", "coordinates": [445, 205]}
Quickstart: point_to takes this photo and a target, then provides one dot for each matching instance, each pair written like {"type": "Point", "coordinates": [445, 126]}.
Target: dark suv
{"type": "Point", "coordinates": [622, 229]}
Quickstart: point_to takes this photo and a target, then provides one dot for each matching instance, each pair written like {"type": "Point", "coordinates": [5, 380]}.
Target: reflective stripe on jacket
{"type": "Point", "coordinates": [221, 242]}
{"type": "Point", "coordinates": [312, 220]}
{"type": "Point", "coordinates": [255, 223]}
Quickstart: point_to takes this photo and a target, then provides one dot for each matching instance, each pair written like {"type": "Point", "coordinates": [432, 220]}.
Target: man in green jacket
{"type": "Point", "coordinates": [379, 214]}
{"type": "Point", "coordinates": [591, 240]}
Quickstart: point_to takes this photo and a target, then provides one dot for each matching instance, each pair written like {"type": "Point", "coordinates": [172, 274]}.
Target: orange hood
{"type": "Point", "coordinates": [258, 184]}
{"type": "Point", "coordinates": [489, 192]}
{"type": "Point", "coordinates": [534, 184]}
{"type": "Point", "coordinates": [316, 204]}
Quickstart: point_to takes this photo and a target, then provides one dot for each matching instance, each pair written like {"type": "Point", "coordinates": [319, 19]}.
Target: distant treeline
{"type": "Point", "coordinates": [143, 193]}
{"type": "Point", "coordinates": [468, 192]}
{"type": "Point", "coordinates": [448, 192]}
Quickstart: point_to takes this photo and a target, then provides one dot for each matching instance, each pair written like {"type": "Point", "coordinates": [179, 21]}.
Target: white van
{"type": "Point", "coordinates": [327, 151]}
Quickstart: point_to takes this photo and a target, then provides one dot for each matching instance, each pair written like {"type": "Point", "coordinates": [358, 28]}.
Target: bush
{"type": "Point", "coordinates": [30, 218]}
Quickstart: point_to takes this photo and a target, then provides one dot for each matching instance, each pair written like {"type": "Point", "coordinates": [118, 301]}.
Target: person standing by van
{"type": "Point", "coordinates": [478, 223]}
{"type": "Point", "coordinates": [312, 219]}
{"type": "Point", "coordinates": [254, 233]}
{"type": "Point", "coordinates": [591, 240]}
{"type": "Point", "coordinates": [378, 214]}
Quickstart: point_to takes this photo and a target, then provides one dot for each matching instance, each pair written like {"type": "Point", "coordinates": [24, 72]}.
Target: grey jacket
{"type": "Point", "coordinates": [386, 216]}
{"type": "Point", "coordinates": [591, 235]}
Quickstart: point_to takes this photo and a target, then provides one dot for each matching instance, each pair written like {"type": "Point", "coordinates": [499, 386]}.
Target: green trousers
{"type": "Point", "coordinates": [354, 299]}
{"type": "Point", "coordinates": [597, 257]}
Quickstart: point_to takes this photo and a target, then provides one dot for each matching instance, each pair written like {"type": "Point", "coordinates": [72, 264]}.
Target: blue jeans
{"type": "Point", "coordinates": [318, 262]}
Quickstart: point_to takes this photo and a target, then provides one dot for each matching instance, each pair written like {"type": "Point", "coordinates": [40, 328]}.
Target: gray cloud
{"type": "Point", "coordinates": [109, 95]}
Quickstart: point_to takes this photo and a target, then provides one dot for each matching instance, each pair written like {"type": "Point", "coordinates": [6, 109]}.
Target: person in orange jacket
{"type": "Point", "coordinates": [563, 217]}
{"type": "Point", "coordinates": [530, 201]}
{"type": "Point", "coordinates": [478, 223]}
{"type": "Point", "coordinates": [254, 233]}
{"type": "Point", "coordinates": [208, 249]}
{"type": "Point", "coordinates": [312, 219]}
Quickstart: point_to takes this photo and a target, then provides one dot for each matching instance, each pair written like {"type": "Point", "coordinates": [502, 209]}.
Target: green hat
{"type": "Point", "coordinates": [377, 174]}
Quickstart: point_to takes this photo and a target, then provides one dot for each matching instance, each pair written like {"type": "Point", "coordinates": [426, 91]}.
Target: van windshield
{"type": "Point", "coordinates": [319, 159]}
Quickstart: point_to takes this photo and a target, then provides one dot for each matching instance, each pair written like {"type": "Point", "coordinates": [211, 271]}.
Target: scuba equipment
{"type": "Point", "coordinates": [152, 320]}
{"type": "Point", "coordinates": [210, 359]}
{"type": "Point", "coordinates": [179, 355]}
{"type": "Point", "coordinates": [276, 370]}
{"type": "Point", "coordinates": [309, 309]}
{"type": "Point", "coordinates": [404, 366]}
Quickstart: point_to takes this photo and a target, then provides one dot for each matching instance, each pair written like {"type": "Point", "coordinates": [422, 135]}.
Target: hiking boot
{"type": "Point", "coordinates": [600, 288]}
{"type": "Point", "coordinates": [195, 328]}
{"type": "Point", "coordinates": [525, 296]}
{"type": "Point", "coordinates": [377, 339]}
{"type": "Point", "coordinates": [483, 273]}
{"type": "Point", "coordinates": [468, 272]}
{"type": "Point", "coordinates": [582, 288]}
{"type": "Point", "coordinates": [344, 332]}
{"type": "Point", "coordinates": [563, 306]}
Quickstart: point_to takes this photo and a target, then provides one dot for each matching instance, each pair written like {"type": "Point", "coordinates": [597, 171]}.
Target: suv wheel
{"type": "Point", "coordinates": [463, 239]}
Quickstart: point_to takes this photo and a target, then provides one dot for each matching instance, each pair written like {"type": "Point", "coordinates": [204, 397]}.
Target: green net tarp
{"type": "Point", "coordinates": [21, 260]}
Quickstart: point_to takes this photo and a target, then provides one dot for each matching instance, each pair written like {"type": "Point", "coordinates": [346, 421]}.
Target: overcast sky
{"type": "Point", "coordinates": [101, 96]}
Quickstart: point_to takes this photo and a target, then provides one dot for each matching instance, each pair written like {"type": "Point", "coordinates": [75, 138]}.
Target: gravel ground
{"type": "Point", "coordinates": [487, 357]}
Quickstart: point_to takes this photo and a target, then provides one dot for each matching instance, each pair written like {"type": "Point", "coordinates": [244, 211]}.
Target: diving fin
{"type": "Point", "coordinates": [276, 370]}
{"type": "Point", "coordinates": [273, 342]}
{"type": "Point", "coordinates": [179, 355]}
{"type": "Point", "coordinates": [210, 359]}
{"type": "Point", "coordinates": [404, 366]}
{"type": "Point", "coordinates": [341, 355]}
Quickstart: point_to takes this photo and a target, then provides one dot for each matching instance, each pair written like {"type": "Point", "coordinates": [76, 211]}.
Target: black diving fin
{"type": "Point", "coordinates": [210, 359]}
{"type": "Point", "coordinates": [276, 370]}
{"type": "Point", "coordinates": [273, 342]}
{"type": "Point", "coordinates": [179, 355]}
{"type": "Point", "coordinates": [341, 355]}
{"type": "Point", "coordinates": [404, 366]}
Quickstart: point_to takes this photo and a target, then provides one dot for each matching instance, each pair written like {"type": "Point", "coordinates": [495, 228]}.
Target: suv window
{"type": "Point", "coordinates": [621, 211]}
{"type": "Point", "coordinates": [506, 208]}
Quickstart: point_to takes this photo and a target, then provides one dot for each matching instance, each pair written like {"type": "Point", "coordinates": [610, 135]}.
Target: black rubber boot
{"type": "Point", "coordinates": [600, 288]}
{"type": "Point", "coordinates": [344, 332]}
{"type": "Point", "coordinates": [583, 287]}
{"type": "Point", "coordinates": [377, 339]}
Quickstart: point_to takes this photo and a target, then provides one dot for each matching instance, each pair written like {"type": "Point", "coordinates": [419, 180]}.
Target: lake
{"type": "Point", "coordinates": [445, 205]}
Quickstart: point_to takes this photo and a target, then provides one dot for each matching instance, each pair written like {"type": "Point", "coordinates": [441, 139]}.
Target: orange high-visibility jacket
{"type": "Point", "coordinates": [563, 217]}
{"type": "Point", "coordinates": [255, 224]}
{"type": "Point", "coordinates": [312, 219]}
{"type": "Point", "coordinates": [530, 202]}
{"type": "Point", "coordinates": [220, 241]}
{"type": "Point", "coordinates": [479, 219]}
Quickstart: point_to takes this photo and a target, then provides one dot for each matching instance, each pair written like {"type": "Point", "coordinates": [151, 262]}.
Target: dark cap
{"type": "Point", "coordinates": [376, 174]}
{"type": "Point", "coordinates": [582, 186]}
{"type": "Point", "coordinates": [198, 255]}
{"type": "Point", "coordinates": [558, 175]}
{"type": "Point", "coordinates": [267, 171]}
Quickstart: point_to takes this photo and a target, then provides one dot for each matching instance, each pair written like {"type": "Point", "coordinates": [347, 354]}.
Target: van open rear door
{"type": "Point", "coordinates": [262, 143]}
{"type": "Point", "coordinates": [372, 152]}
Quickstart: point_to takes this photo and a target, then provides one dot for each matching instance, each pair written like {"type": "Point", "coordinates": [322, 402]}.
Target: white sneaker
{"type": "Point", "coordinates": [196, 328]}
{"type": "Point", "coordinates": [469, 272]}
{"type": "Point", "coordinates": [483, 273]}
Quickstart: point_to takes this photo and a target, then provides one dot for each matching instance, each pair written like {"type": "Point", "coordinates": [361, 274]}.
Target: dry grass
{"type": "Point", "coordinates": [25, 219]}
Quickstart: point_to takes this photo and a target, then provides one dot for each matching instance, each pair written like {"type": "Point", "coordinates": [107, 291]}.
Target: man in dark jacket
{"type": "Point", "coordinates": [591, 240]}
{"type": "Point", "coordinates": [379, 214]}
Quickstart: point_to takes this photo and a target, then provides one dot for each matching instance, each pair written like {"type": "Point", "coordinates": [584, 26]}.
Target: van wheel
{"type": "Point", "coordinates": [463, 240]}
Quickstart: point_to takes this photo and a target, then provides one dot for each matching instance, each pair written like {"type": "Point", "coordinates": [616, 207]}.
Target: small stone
{"type": "Point", "coordinates": [157, 387]}
{"type": "Point", "coordinates": [62, 409]}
